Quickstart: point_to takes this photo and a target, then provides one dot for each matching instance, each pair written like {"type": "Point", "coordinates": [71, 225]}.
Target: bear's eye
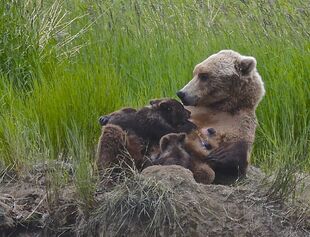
{"type": "Point", "coordinates": [203, 76]}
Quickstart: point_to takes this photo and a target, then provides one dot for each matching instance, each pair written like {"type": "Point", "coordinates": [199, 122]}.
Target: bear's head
{"type": "Point", "coordinates": [226, 81]}
{"type": "Point", "coordinates": [171, 111]}
{"type": "Point", "coordinates": [172, 150]}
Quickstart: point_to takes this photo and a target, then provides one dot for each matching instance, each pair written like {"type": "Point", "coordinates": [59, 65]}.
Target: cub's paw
{"type": "Point", "coordinates": [103, 120]}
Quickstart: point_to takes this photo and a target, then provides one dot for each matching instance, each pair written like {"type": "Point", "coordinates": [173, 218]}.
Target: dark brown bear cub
{"type": "Point", "coordinates": [172, 151]}
{"type": "Point", "coordinates": [143, 127]}
{"type": "Point", "coordinates": [175, 149]}
{"type": "Point", "coordinates": [163, 116]}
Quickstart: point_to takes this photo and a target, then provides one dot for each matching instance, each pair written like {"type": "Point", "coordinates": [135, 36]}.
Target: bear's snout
{"type": "Point", "coordinates": [186, 99]}
{"type": "Point", "coordinates": [182, 96]}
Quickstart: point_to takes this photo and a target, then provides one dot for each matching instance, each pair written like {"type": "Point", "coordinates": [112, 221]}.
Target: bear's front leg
{"type": "Point", "coordinates": [104, 119]}
{"type": "Point", "coordinates": [229, 161]}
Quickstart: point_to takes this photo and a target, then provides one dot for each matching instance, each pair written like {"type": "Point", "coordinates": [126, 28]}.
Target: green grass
{"type": "Point", "coordinates": [64, 64]}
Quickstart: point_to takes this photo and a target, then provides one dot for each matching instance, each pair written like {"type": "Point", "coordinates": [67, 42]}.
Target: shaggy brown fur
{"type": "Point", "coordinates": [178, 149]}
{"type": "Point", "coordinates": [224, 94]}
{"type": "Point", "coordinates": [140, 131]}
{"type": "Point", "coordinates": [151, 123]}
{"type": "Point", "coordinates": [208, 139]}
{"type": "Point", "coordinates": [116, 146]}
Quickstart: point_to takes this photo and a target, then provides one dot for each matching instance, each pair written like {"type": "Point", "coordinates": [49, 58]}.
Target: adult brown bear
{"type": "Point", "coordinates": [223, 94]}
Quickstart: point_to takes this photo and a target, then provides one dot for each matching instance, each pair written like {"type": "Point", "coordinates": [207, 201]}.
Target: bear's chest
{"type": "Point", "coordinates": [224, 123]}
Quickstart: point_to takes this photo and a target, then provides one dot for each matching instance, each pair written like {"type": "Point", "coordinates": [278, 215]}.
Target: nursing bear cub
{"type": "Point", "coordinates": [135, 134]}
{"type": "Point", "coordinates": [163, 116]}
{"type": "Point", "coordinates": [179, 149]}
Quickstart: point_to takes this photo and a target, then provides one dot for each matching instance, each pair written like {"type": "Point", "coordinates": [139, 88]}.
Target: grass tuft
{"type": "Point", "coordinates": [135, 204]}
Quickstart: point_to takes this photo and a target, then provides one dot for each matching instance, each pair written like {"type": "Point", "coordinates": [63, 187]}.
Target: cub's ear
{"type": "Point", "coordinates": [181, 137]}
{"type": "Point", "coordinates": [164, 105]}
{"type": "Point", "coordinates": [247, 65]}
{"type": "Point", "coordinates": [155, 102]}
{"type": "Point", "coordinates": [164, 142]}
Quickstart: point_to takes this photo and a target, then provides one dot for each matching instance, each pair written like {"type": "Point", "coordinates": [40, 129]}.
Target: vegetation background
{"type": "Point", "coordinates": [65, 63]}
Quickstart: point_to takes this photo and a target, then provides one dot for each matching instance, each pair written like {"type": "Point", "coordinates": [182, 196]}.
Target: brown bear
{"type": "Point", "coordinates": [163, 116]}
{"type": "Point", "coordinates": [139, 131]}
{"type": "Point", "coordinates": [223, 94]}
{"type": "Point", "coordinates": [178, 149]}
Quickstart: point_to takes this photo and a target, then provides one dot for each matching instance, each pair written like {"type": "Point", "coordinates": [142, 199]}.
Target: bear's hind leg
{"type": "Point", "coordinates": [110, 145]}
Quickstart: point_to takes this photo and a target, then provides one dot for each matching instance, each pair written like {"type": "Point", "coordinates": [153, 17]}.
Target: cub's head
{"type": "Point", "coordinates": [172, 111]}
{"type": "Point", "coordinates": [172, 150]}
{"type": "Point", "coordinates": [226, 81]}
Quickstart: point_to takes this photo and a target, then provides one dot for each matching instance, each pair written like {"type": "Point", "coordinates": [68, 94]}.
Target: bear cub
{"type": "Point", "coordinates": [139, 131]}
{"type": "Point", "coordinates": [163, 116]}
{"type": "Point", "coordinates": [178, 149]}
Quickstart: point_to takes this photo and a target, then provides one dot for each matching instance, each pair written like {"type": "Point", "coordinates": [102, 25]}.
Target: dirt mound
{"type": "Point", "coordinates": [240, 210]}
{"type": "Point", "coordinates": [161, 201]}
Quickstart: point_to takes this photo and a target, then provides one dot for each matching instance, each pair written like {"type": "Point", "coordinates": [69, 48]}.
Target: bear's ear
{"type": "Point", "coordinates": [164, 105]}
{"type": "Point", "coordinates": [164, 142]}
{"type": "Point", "coordinates": [247, 65]}
{"type": "Point", "coordinates": [181, 137]}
